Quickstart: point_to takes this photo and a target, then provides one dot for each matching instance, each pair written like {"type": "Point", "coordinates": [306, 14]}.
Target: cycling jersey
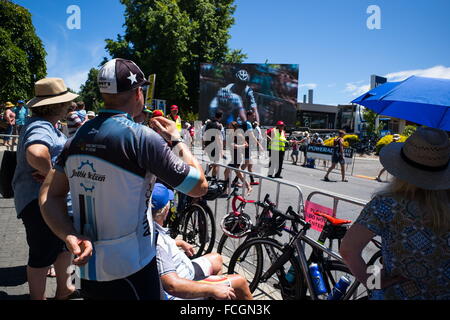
{"type": "Point", "coordinates": [112, 163]}
{"type": "Point", "coordinates": [248, 97]}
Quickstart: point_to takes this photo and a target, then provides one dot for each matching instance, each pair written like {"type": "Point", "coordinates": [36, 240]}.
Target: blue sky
{"type": "Point", "coordinates": [329, 39]}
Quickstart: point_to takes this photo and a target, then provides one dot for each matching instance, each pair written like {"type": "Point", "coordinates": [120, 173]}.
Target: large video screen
{"type": "Point", "coordinates": [270, 90]}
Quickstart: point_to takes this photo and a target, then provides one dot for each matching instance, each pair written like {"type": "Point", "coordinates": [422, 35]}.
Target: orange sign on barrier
{"type": "Point", "coordinates": [317, 222]}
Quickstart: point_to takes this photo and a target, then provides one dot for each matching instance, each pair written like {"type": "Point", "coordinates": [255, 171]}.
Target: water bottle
{"type": "Point", "coordinates": [339, 289]}
{"type": "Point", "coordinates": [319, 284]}
{"type": "Point", "coordinates": [290, 276]}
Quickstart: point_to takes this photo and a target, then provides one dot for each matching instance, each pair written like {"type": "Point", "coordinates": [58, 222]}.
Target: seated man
{"type": "Point", "coordinates": [183, 278]}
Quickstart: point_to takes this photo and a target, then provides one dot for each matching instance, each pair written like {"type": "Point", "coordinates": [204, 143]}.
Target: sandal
{"type": "Point", "coordinates": [74, 295]}
{"type": "Point", "coordinates": [51, 272]}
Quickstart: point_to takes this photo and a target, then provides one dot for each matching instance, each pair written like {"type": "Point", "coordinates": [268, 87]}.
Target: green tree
{"type": "Point", "coordinates": [171, 38]}
{"type": "Point", "coordinates": [22, 55]}
{"type": "Point", "coordinates": [370, 117]}
{"type": "Point", "coordinates": [90, 92]}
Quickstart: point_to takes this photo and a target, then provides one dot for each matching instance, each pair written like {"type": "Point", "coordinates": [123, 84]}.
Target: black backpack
{"type": "Point", "coordinates": [7, 170]}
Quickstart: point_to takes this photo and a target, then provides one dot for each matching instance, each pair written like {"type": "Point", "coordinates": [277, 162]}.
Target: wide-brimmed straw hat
{"type": "Point", "coordinates": [50, 91]}
{"type": "Point", "coordinates": [422, 160]}
{"type": "Point", "coordinates": [9, 104]}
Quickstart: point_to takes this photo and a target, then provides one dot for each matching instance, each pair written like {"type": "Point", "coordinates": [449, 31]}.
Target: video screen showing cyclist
{"type": "Point", "coordinates": [235, 99]}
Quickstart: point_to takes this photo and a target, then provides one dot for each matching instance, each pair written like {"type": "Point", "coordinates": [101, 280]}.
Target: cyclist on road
{"type": "Point", "coordinates": [235, 99]}
{"type": "Point", "coordinates": [110, 165]}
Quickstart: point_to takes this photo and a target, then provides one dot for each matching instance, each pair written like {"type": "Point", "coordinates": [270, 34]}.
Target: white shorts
{"type": "Point", "coordinates": [203, 268]}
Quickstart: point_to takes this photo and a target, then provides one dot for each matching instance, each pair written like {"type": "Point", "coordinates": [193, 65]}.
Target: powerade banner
{"type": "Point", "coordinates": [325, 153]}
{"type": "Point", "coordinates": [270, 90]}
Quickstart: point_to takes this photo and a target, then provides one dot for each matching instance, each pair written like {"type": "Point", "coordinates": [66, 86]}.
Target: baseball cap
{"type": "Point", "coordinates": [160, 196]}
{"type": "Point", "coordinates": [280, 123]}
{"type": "Point", "coordinates": [21, 102]}
{"type": "Point", "coordinates": [120, 75]}
{"type": "Point", "coordinates": [174, 107]}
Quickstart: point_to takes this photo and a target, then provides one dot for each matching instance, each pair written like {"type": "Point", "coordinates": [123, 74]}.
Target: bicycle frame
{"type": "Point", "coordinates": [297, 245]}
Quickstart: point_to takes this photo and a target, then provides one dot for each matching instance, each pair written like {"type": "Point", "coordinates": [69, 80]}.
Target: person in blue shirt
{"type": "Point", "coordinates": [22, 113]}
{"type": "Point", "coordinates": [81, 112]}
{"type": "Point", "coordinates": [39, 145]}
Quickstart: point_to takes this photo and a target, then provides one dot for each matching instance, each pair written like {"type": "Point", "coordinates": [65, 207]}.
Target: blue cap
{"type": "Point", "coordinates": [160, 196]}
{"type": "Point", "coordinates": [20, 101]}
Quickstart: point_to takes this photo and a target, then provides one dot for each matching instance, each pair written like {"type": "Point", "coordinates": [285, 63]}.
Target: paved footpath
{"type": "Point", "coordinates": [14, 256]}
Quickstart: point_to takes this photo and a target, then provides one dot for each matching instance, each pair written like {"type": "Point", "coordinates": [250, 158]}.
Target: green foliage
{"type": "Point", "coordinates": [90, 92]}
{"type": "Point", "coordinates": [409, 130]}
{"type": "Point", "coordinates": [370, 117]}
{"type": "Point", "coordinates": [386, 140]}
{"type": "Point", "coordinates": [22, 55]}
{"type": "Point", "coordinates": [171, 38]}
{"type": "Point", "coordinates": [349, 140]}
{"type": "Point", "coordinates": [189, 116]}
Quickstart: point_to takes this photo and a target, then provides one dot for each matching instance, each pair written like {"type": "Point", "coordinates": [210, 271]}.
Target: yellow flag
{"type": "Point", "coordinates": [150, 90]}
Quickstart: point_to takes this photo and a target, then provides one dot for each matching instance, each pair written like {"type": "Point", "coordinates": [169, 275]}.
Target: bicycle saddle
{"type": "Point", "coordinates": [334, 221]}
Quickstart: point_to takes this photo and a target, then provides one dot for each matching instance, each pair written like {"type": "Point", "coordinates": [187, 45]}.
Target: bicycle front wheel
{"type": "Point", "coordinates": [253, 258]}
{"type": "Point", "coordinates": [195, 229]}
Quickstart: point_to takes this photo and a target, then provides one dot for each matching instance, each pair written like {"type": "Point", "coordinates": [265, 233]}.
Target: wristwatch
{"type": "Point", "coordinates": [176, 141]}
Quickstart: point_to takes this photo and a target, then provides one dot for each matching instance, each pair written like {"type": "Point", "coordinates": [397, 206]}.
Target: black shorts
{"type": "Point", "coordinates": [142, 285]}
{"type": "Point", "coordinates": [199, 274]}
{"type": "Point", "coordinates": [44, 245]}
{"type": "Point", "coordinates": [247, 154]}
{"type": "Point", "coordinates": [234, 165]}
{"type": "Point", "coordinates": [337, 158]}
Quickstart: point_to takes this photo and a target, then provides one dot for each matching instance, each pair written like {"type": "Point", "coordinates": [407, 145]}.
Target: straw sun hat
{"type": "Point", "coordinates": [50, 91]}
{"type": "Point", "coordinates": [422, 160]}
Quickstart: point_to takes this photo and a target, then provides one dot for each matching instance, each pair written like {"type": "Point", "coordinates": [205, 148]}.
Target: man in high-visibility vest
{"type": "Point", "coordinates": [175, 117]}
{"type": "Point", "coordinates": [277, 146]}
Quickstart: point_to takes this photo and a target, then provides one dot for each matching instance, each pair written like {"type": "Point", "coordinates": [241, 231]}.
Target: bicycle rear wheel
{"type": "Point", "coordinates": [211, 226]}
{"type": "Point", "coordinates": [195, 229]}
{"type": "Point", "coordinates": [255, 257]}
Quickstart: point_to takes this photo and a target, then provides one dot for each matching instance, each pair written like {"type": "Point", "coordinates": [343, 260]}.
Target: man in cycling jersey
{"type": "Point", "coordinates": [110, 166]}
{"type": "Point", "coordinates": [183, 278]}
{"type": "Point", "coordinates": [235, 99]}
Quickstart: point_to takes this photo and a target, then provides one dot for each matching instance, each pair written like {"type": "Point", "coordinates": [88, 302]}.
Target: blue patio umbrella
{"type": "Point", "coordinates": [421, 100]}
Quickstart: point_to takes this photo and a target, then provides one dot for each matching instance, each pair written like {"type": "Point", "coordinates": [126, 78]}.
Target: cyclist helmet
{"type": "Point", "coordinates": [271, 224]}
{"type": "Point", "coordinates": [215, 190]}
{"type": "Point", "coordinates": [242, 75]}
{"type": "Point", "coordinates": [236, 226]}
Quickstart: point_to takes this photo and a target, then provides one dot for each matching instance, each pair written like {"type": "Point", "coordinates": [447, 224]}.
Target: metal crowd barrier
{"type": "Point", "coordinates": [336, 199]}
{"type": "Point", "coordinates": [261, 178]}
{"type": "Point", "coordinates": [301, 158]}
{"type": "Point", "coordinates": [14, 138]}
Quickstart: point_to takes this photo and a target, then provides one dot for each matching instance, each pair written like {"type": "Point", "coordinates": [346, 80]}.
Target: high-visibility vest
{"type": "Point", "coordinates": [177, 122]}
{"type": "Point", "coordinates": [278, 141]}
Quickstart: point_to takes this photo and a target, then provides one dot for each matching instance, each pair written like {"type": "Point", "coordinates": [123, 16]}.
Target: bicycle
{"type": "Point", "coordinates": [264, 226]}
{"type": "Point", "coordinates": [287, 276]}
{"type": "Point", "coordinates": [193, 219]}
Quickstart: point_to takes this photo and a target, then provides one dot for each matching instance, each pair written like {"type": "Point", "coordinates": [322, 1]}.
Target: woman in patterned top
{"type": "Point", "coordinates": [412, 217]}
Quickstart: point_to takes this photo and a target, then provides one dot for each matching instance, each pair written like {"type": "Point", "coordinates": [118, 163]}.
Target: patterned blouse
{"type": "Point", "coordinates": [410, 249]}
